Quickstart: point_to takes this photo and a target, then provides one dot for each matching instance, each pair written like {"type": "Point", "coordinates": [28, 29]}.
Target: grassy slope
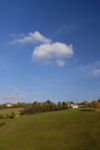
{"type": "Point", "coordinates": [63, 130]}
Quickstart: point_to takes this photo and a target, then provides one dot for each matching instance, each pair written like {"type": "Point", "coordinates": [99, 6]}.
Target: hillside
{"type": "Point", "coordinates": [61, 130]}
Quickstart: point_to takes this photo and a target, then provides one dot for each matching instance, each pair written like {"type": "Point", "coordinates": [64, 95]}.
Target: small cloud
{"type": "Point", "coordinates": [96, 72]}
{"type": "Point", "coordinates": [32, 37]}
{"type": "Point", "coordinates": [41, 38]}
{"type": "Point", "coordinates": [53, 51]}
{"type": "Point", "coordinates": [15, 35]}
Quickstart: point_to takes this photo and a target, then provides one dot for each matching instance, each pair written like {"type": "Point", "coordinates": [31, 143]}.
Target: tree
{"type": "Point", "coordinates": [59, 105]}
{"type": "Point", "coordinates": [64, 105]}
{"type": "Point", "coordinates": [94, 104]}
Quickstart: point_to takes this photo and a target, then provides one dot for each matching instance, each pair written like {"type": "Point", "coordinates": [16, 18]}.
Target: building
{"type": "Point", "coordinates": [74, 105]}
{"type": "Point", "coordinates": [8, 105]}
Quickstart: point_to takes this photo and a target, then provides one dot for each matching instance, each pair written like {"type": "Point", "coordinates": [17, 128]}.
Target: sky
{"type": "Point", "coordinates": [49, 49]}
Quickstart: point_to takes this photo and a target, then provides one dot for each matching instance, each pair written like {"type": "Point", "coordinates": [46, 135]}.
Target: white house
{"type": "Point", "coordinates": [74, 105]}
{"type": "Point", "coordinates": [8, 105]}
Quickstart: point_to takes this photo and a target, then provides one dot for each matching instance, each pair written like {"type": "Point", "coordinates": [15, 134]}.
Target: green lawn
{"type": "Point", "coordinates": [9, 110]}
{"type": "Point", "coordinates": [60, 130]}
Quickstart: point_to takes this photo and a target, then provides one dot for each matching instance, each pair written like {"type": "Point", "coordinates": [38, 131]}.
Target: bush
{"type": "Point", "coordinates": [12, 115]}
{"type": "Point", "coordinates": [2, 124]}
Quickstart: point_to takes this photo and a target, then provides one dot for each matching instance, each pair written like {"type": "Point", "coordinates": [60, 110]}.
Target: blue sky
{"type": "Point", "coordinates": [49, 49]}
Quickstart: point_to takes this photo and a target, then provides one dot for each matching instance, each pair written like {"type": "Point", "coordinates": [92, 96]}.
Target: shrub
{"type": "Point", "coordinates": [2, 124]}
{"type": "Point", "coordinates": [12, 115]}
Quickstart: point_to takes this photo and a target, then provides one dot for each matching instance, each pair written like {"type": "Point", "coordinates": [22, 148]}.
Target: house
{"type": "Point", "coordinates": [74, 105]}
{"type": "Point", "coordinates": [8, 105]}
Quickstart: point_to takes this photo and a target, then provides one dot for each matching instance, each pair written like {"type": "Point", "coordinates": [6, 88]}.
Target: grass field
{"type": "Point", "coordinates": [60, 130]}
{"type": "Point", "coordinates": [9, 110]}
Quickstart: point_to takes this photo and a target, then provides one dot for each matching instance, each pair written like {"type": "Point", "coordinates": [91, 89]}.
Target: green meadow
{"type": "Point", "coordinates": [59, 130]}
{"type": "Point", "coordinates": [9, 110]}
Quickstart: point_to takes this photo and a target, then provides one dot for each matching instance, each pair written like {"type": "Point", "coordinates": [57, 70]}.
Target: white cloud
{"type": "Point", "coordinates": [15, 35]}
{"type": "Point", "coordinates": [41, 38]}
{"type": "Point", "coordinates": [32, 37]}
{"type": "Point", "coordinates": [45, 50]}
{"type": "Point", "coordinates": [53, 51]}
{"type": "Point", "coordinates": [96, 72]}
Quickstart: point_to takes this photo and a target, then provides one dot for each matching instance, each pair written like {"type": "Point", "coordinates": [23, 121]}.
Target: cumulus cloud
{"type": "Point", "coordinates": [45, 50]}
{"type": "Point", "coordinates": [53, 51]}
{"type": "Point", "coordinates": [32, 37]}
{"type": "Point", "coordinates": [96, 72]}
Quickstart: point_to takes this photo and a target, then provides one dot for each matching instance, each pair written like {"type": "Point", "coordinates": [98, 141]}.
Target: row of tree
{"type": "Point", "coordinates": [43, 106]}
{"type": "Point", "coordinates": [31, 108]}
{"type": "Point", "coordinates": [92, 104]}
{"type": "Point", "coordinates": [51, 106]}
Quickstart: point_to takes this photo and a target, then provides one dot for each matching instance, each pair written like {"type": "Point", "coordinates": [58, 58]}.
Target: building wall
{"type": "Point", "coordinates": [75, 106]}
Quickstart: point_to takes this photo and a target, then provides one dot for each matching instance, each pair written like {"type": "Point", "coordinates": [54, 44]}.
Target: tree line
{"type": "Point", "coordinates": [34, 107]}
{"type": "Point", "coordinates": [51, 106]}
{"type": "Point", "coordinates": [43, 106]}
